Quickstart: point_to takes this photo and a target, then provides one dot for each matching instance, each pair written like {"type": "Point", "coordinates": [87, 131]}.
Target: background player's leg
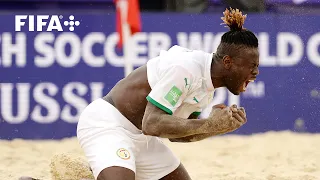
{"type": "Point", "coordinates": [116, 173]}
{"type": "Point", "coordinates": [179, 173]}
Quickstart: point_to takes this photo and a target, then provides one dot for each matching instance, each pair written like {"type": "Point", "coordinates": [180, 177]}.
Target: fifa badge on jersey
{"type": "Point", "coordinates": [173, 95]}
{"type": "Point", "coordinates": [123, 153]}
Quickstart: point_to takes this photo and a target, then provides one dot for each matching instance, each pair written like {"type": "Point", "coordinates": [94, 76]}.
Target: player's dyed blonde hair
{"type": "Point", "coordinates": [234, 19]}
{"type": "Point", "coordinates": [237, 34]}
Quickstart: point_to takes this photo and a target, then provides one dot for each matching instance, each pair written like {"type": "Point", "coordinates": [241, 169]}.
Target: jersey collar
{"type": "Point", "coordinates": [208, 73]}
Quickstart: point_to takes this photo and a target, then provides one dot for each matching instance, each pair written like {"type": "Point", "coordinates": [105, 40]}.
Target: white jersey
{"type": "Point", "coordinates": [180, 80]}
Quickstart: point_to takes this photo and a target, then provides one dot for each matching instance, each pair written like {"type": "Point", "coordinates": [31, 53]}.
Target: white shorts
{"type": "Point", "coordinates": [109, 139]}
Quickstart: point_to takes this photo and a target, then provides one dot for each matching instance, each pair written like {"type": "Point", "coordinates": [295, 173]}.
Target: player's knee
{"type": "Point", "coordinates": [116, 173]}
{"type": "Point", "coordinates": [179, 173]}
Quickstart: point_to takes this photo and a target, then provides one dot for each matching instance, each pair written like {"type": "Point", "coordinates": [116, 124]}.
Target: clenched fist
{"type": "Point", "coordinates": [223, 119]}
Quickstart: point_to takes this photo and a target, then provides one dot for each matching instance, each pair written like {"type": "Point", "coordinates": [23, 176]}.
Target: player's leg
{"type": "Point", "coordinates": [156, 161]}
{"type": "Point", "coordinates": [109, 151]}
{"type": "Point", "coordinates": [116, 173]}
{"type": "Point", "coordinates": [110, 154]}
{"type": "Point", "coordinates": [179, 173]}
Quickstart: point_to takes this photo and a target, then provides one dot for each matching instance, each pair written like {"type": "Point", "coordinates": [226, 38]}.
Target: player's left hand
{"type": "Point", "coordinates": [239, 113]}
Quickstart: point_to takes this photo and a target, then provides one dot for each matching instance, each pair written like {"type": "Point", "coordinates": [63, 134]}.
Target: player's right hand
{"type": "Point", "coordinates": [223, 119]}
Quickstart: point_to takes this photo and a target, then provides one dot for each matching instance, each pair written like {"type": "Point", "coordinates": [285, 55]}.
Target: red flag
{"type": "Point", "coordinates": [133, 18]}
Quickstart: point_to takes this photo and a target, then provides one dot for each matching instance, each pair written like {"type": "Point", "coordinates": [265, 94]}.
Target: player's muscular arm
{"type": "Point", "coordinates": [156, 122]}
{"type": "Point", "coordinates": [193, 138]}
{"type": "Point", "coordinates": [222, 125]}
{"type": "Point", "coordinates": [238, 113]}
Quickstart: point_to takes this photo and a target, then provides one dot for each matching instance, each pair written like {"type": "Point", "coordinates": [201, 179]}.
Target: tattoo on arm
{"type": "Point", "coordinates": [194, 138]}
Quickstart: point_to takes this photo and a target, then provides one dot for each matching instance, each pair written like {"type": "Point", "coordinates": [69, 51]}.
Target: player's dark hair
{"type": "Point", "coordinates": [237, 34]}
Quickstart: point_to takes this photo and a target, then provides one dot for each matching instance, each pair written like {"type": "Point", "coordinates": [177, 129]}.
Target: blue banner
{"type": "Point", "coordinates": [50, 72]}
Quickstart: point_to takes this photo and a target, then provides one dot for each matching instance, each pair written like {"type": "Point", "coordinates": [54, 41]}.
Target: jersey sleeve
{"type": "Point", "coordinates": [171, 89]}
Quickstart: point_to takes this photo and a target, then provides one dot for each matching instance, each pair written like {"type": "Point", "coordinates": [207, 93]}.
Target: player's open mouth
{"type": "Point", "coordinates": [245, 84]}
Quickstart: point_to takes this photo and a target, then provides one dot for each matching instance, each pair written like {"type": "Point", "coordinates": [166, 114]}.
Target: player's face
{"type": "Point", "coordinates": [242, 70]}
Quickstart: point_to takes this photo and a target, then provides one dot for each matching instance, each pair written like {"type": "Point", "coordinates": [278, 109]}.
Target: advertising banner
{"type": "Point", "coordinates": [52, 66]}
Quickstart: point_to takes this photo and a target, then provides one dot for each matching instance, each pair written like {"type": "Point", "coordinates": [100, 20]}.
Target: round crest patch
{"type": "Point", "coordinates": [123, 153]}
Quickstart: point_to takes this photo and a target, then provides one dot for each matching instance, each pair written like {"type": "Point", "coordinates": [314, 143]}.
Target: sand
{"type": "Point", "coordinates": [268, 156]}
